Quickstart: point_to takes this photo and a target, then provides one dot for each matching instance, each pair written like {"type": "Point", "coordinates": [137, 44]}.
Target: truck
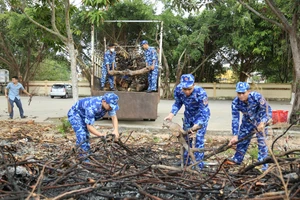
{"type": "Point", "coordinates": [4, 76]}
{"type": "Point", "coordinates": [134, 105]}
{"type": "Point", "coordinates": [4, 79]}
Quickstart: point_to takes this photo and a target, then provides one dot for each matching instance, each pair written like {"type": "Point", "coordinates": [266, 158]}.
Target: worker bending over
{"type": "Point", "coordinates": [256, 114]}
{"type": "Point", "coordinates": [84, 112]}
{"type": "Point", "coordinates": [196, 113]}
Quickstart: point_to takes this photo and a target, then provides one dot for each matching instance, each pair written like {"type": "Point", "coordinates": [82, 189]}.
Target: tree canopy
{"type": "Point", "coordinates": [201, 42]}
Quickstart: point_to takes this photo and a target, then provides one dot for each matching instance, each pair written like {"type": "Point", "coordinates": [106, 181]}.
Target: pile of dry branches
{"type": "Point", "coordinates": [126, 170]}
{"type": "Point", "coordinates": [131, 73]}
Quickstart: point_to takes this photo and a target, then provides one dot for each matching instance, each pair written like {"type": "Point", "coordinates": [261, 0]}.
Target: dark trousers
{"type": "Point", "coordinates": [19, 105]}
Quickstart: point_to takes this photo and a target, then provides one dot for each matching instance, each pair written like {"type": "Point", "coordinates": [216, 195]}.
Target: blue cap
{"type": "Point", "coordinates": [143, 42]}
{"type": "Point", "coordinates": [242, 87]}
{"type": "Point", "coordinates": [187, 80]}
{"type": "Point", "coordinates": [112, 99]}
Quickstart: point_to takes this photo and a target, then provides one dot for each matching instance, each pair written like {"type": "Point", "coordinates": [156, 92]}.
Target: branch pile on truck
{"type": "Point", "coordinates": [131, 72]}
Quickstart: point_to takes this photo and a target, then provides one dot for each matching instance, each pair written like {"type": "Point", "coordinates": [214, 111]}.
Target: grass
{"type": "Point", "coordinates": [64, 127]}
{"type": "Point", "coordinates": [209, 140]}
{"type": "Point", "coordinates": [173, 150]}
{"type": "Point", "coordinates": [230, 151]}
{"type": "Point", "coordinates": [253, 151]}
{"type": "Point", "coordinates": [156, 139]}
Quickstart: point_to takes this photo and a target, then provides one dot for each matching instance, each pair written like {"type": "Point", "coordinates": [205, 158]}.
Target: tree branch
{"type": "Point", "coordinates": [53, 17]}
{"type": "Point", "coordinates": [280, 15]}
{"type": "Point", "coordinates": [295, 16]}
{"type": "Point", "coordinates": [260, 15]}
{"type": "Point", "coordinates": [67, 19]}
{"type": "Point", "coordinates": [202, 62]}
{"type": "Point", "coordinates": [37, 62]}
{"type": "Point", "coordinates": [130, 72]}
{"type": "Point", "coordinates": [179, 60]}
{"type": "Point", "coordinates": [4, 61]}
{"type": "Point", "coordinates": [8, 52]}
{"type": "Point", "coordinates": [60, 36]}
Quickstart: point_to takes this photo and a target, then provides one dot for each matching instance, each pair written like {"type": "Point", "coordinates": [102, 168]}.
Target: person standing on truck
{"type": "Point", "coordinates": [84, 112]}
{"type": "Point", "coordinates": [109, 64]}
{"type": "Point", "coordinates": [13, 88]}
{"type": "Point", "coordinates": [151, 60]}
{"type": "Point", "coordinates": [196, 114]}
{"type": "Point", "coordinates": [256, 115]}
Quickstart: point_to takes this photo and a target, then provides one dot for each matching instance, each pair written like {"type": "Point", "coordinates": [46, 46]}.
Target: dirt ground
{"type": "Point", "coordinates": [30, 139]}
{"type": "Point", "coordinates": [39, 160]}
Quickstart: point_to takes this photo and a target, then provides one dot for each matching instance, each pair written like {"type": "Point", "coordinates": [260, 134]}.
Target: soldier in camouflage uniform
{"type": "Point", "coordinates": [151, 60]}
{"type": "Point", "coordinates": [196, 113]}
{"type": "Point", "coordinates": [109, 64]}
{"type": "Point", "coordinates": [84, 112]}
{"type": "Point", "coordinates": [256, 114]}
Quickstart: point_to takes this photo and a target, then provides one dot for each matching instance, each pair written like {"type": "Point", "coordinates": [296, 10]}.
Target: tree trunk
{"type": "Point", "coordinates": [73, 54]}
{"type": "Point", "coordinates": [180, 68]}
{"type": "Point", "coordinates": [72, 51]}
{"type": "Point", "coordinates": [130, 72]}
{"type": "Point", "coordinates": [295, 46]}
{"type": "Point", "coordinates": [243, 69]}
{"type": "Point", "coordinates": [166, 79]}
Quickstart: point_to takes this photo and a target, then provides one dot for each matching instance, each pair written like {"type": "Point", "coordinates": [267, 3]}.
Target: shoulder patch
{"type": "Point", "coordinates": [262, 101]}
{"type": "Point", "coordinates": [205, 101]}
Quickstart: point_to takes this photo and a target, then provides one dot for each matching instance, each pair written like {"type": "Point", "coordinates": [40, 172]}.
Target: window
{"type": "Point", "coordinates": [58, 86]}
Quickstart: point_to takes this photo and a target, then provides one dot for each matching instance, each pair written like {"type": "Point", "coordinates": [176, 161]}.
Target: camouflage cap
{"type": "Point", "coordinates": [187, 80]}
{"type": "Point", "coordinates": [143, 42]}
{"type": "Point", "coordinates": [242, 87]}
{"type": "Point", "coordinates": [112, 99]}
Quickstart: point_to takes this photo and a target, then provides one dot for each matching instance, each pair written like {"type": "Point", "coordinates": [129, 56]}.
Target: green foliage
{"type": "Point", "coordinates": [65, 126]}
{"type": "Point", "coordinates": [243, 39]}
{"type": "Point", "coordinates": [192, 35]}
{"type": "Point", "coordinates": [99, 4]}
{"type": "Point", "coordinates": [156, 139]}
{"type": "Point", "coordinates": [94, 11]}
{"type": "Point", "coordinates": [52, 69]}
{"type": "Point", "coordinates": [128, 33]}
{"type": "Point", "coordinates": [22, 46]}
{"type": "Point", "coordinates": [253, 151]}
{"type": "Point", "coordinates": [191, 5]}
{"type": "Point", "coordinates": [223, 32]}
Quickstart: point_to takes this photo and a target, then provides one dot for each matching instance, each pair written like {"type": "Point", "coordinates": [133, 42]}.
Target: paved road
{"type": "Point", "coordinates": [44, 108]}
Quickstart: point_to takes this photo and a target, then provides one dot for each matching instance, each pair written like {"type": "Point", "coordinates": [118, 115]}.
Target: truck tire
{"type": "Point", "coordinates": [52, 97]}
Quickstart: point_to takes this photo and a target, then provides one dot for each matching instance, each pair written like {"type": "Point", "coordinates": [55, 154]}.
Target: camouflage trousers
{"type": "Point", "coordinates": [152, 80]}
{"type": "Point", "coordinates": [79, 127]}
{"type": "Point", "coordinates": [245, 130]}
{"type": "Point", "coordinates": [110, 79]}
{"type": "Point", "coordinates": [197, 142]}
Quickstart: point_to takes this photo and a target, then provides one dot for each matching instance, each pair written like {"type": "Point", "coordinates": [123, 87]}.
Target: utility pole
{"type": "Point", "coordinates": [92, 56]}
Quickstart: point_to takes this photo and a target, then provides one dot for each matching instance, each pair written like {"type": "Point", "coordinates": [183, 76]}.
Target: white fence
{"type": "Point", "coordinates": [270, 91]}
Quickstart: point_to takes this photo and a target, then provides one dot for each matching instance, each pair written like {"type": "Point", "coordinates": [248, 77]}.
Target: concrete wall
{"type": "Point", "coordinates": [42, 88]}
{"type": "Point", "coordinates": [270, 91]}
